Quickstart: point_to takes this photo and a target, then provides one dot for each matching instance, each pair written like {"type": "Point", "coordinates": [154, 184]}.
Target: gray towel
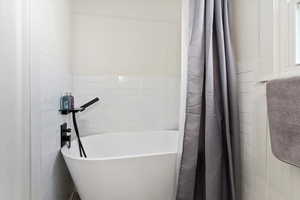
{"type": "Point", "coordinates": [283, 99]}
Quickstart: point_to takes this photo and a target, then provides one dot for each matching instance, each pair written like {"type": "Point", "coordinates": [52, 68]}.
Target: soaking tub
{"type": "Point", "coordinates": [125, 166]}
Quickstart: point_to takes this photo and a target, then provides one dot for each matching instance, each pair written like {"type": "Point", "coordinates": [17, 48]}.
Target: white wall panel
{"type": "Point", "coordinates": [12, 148]}
{"type": "Point", "coordinates": [50, 78]}
{"type": "Point", "coordinates": [267, 24]}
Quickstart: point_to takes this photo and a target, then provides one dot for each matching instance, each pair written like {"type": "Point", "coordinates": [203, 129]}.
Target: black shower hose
{"type": "Point", "coordinates": [81, 149]}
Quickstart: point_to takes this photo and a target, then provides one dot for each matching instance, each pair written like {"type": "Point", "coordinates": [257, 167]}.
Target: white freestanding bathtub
{"type": "Point", "coordinates": [125, 166]}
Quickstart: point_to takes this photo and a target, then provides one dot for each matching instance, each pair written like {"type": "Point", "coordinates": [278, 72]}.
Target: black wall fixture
{"type": "Point", "coordinates": [65, 136]}
{"type": "Point", "coordinates": [81, 108]}
{"type": "Point", "coordinates": [74, 112]}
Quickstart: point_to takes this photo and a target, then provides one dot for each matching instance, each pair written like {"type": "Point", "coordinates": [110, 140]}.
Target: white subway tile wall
{"type": "Point", "coordinates": [127, 53]}
{"type": "Point", "coordinates": [128, 103]}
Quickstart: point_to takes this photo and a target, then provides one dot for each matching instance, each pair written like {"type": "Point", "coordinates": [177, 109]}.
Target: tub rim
{"type": "Point", "coordinates": [142, 155]}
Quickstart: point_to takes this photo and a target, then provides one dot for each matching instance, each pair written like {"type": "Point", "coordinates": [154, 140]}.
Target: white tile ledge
{"type": "Point", "coordinates": [265, 79]}
{"type": "Point", "coordinates": [274, 77]}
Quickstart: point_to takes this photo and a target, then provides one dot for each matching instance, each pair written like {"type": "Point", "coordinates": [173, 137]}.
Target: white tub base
{"type": "Point", "coordinates": [125, 166]}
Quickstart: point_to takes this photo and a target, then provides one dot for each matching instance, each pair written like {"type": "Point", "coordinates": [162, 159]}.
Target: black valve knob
{"type": "Point", "coordinates": [65, 137]}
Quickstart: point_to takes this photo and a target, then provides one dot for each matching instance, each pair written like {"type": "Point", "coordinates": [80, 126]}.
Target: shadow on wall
{"type": "Point", "coordinates": [64, 183]}
{"type": "Point", "coordinates": [75, 196]}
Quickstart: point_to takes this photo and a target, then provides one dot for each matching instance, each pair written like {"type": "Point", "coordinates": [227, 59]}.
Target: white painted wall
{"type": "Point", "coordinates": [50, 78]}
{"type": "Point", "coordinates": [127, 52]}
{"type": "Point", "coordinates": [13, 148]}
{"type": "Point", "coordinates": [263, 41]}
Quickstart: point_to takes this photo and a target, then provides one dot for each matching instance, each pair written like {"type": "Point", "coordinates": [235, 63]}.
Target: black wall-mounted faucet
{"type": "Point", "coordinates": [65, 137]}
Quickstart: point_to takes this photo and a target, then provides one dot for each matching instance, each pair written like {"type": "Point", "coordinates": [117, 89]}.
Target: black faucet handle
{"type": "Point", "coordinates": [88, 104]}
{"type": "Point", "coordinates": [68, 130]}
{"type": "Point", "coordinates": [65, 136]}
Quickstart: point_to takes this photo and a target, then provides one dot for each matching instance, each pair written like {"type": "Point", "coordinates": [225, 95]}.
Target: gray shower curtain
{"type": "Point", "coordinates": [211, 153]}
